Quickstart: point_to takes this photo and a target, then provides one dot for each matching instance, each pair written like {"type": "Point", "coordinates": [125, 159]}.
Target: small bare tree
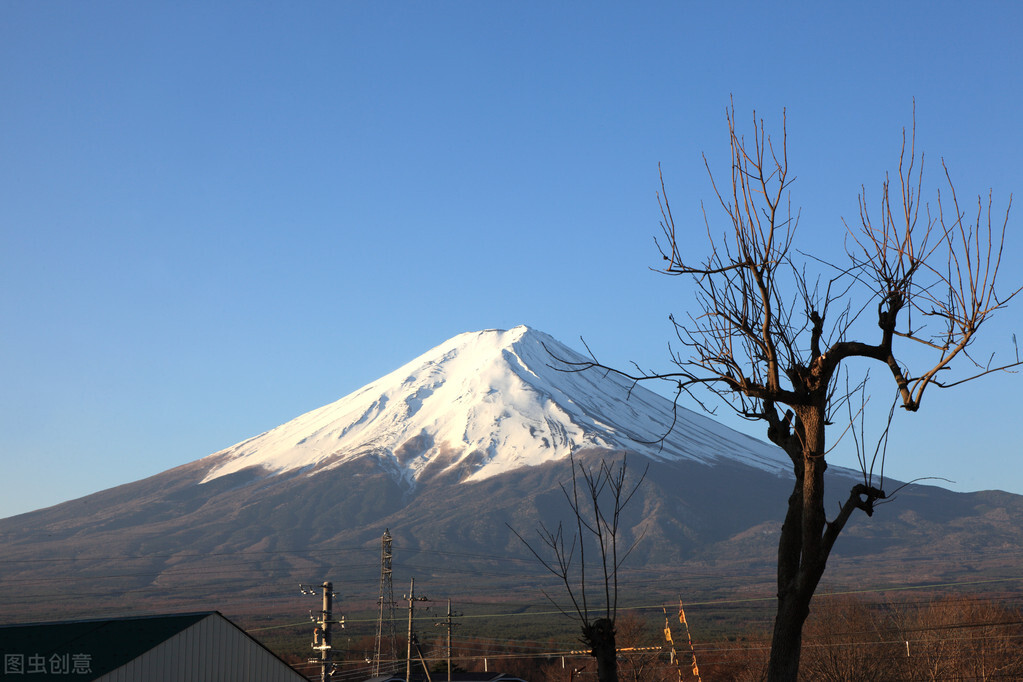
{"type": "Point", "coordinates": [597, 498]}
{"type": "Point", "coordinates": [640, 662]}
{"type": "Point", "coordinates": [769, 338]}
{"type": "Point", "coordinates": [847, 639]}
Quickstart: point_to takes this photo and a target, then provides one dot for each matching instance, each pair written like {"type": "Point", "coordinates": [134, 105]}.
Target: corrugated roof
{"type": "Point", "coordinates": [63, 650]}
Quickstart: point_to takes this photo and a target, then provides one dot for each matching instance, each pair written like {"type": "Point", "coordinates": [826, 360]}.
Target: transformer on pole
{"type": "Point", "coordinates": [321, 633]}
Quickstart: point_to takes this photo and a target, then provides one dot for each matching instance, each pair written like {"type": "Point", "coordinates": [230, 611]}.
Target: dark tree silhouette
{"type": "Point", "coordinates": [597, 497]}
{"type": "Point", "coordinates": [769, 338]}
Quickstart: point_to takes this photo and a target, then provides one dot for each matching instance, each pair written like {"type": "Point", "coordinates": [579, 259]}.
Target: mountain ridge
{"type": "Point", "coordinates": [487, 402]}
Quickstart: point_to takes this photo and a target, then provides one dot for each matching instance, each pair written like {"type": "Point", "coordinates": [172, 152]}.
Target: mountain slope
{"type": "Point", "coordinates": [449, 452]}
{"type": "Point", "coordinates": [485, 403]}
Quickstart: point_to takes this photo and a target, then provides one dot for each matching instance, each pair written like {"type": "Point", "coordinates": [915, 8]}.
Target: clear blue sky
{"type": "Point", "coordinates": [217, 216]}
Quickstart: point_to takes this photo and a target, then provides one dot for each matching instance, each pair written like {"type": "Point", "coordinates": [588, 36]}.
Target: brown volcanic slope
{"type": "Point", "coordinates": [405, 453]}
{"type": "Point", "coordinates": [240, 543]}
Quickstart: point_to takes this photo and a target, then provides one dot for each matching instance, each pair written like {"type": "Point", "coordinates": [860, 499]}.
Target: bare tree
{"type": "Point", "coordinates": [958, 637]}
{"type": "Point", "coordinates": [638, 660]}
{"type": "Point", "coordinates": [770, 339]}
{"type": "Point", "coordinates": [597, 497]}
{"type": "Point", "coordinates": [847, 639]}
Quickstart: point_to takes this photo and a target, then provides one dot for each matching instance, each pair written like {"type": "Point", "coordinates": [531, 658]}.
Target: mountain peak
{"type": "Point", "coordinates": [483, 403]}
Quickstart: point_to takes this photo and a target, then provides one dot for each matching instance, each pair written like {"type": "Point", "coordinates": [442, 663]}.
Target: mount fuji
{"type": "Point", "coordinates": [487, 403]}
{"type": "Point", "coordinates": [449, 452]}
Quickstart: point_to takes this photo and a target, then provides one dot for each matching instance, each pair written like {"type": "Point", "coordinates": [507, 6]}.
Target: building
{"type": "Point", "coordinates": [186, 647]}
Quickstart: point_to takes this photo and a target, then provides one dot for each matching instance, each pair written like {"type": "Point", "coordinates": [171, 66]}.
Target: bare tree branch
{"type": "Point", "coordinates": [597, 497]}
{"type": "Point", "coordinates": [769, 337]}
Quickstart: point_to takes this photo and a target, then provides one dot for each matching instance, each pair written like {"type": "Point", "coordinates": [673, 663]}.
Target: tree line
{"type": "Point", "coordinates": [846, 639]}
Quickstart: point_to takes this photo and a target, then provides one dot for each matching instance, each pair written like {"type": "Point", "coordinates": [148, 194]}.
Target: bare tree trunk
{"type": "Point", "coordinates": [804, 545]}
{"type": "Point", "coordinates": [787, 639]}
{"type": "Point", "coordinates": [794, 594]}
{"type": "Point", "coordinates": [600, 636]}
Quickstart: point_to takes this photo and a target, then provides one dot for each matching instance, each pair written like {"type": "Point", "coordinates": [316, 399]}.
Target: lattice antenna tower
{"type": "Point", "coordinates": [385, 620]}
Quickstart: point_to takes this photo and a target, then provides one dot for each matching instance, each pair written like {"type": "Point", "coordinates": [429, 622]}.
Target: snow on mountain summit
{"type": "Point", "coordinates": [489, 402]}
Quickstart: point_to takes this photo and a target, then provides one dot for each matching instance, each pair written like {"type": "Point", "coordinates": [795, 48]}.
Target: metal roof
{"type": "Point", "coordinates": [86, 650]}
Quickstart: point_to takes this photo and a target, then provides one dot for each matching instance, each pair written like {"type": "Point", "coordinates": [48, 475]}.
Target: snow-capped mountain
{"type": "Point", "coordinates": [450, 452]}
{"type": "Point", "coordinates": [485, 403]}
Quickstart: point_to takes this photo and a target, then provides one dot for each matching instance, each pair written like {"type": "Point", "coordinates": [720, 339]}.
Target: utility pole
{"type": "Point", "coordinates": [386, 605]}
{"type": "Point", "coordinates": [412, 599]}
{"type": "Point", "coordinates": [450, 625]}
{"type": "Point", "coordinates": [321, 633]}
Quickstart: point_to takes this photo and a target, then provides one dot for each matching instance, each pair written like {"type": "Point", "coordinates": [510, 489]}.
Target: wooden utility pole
{"type": "Point", "coordinates": [448, 622]}
{"type": "Point", "coordinates": [412, 599]}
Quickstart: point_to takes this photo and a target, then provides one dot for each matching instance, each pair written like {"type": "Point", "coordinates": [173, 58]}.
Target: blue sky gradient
{"type": "Point", "coordinates": [217, 216]}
